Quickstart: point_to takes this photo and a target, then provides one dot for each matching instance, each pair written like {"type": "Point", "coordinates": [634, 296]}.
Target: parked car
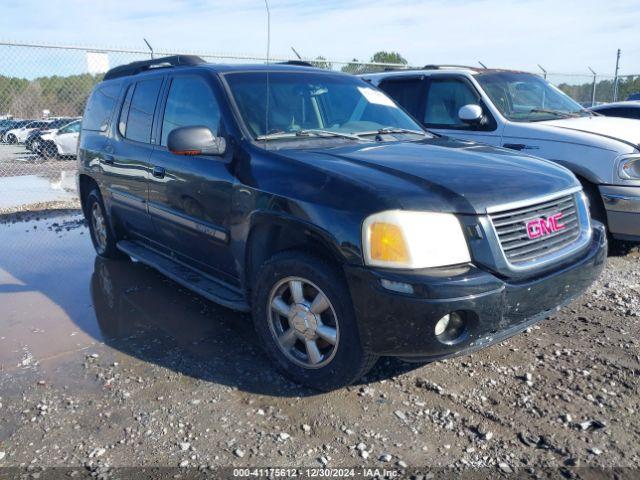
{"type": "Point", "coordinates": [629, 109]}
{"type": "Point", "coordinates": [34, 136]}
{"type": "Point", "coordinates": [524, 112]}
{"type": "Point", "coordinates": [61, 143]}
{"type": "Point", "coordinates": [311, 199]}
{"type": "Point", "coordinates": [634, 96]}
{"type": "Point", "coordinates": [20, 134]}
{"type": "Point", "coordinates": [13, 124]}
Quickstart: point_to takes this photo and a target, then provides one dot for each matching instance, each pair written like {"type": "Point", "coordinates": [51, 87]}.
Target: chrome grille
{"type": "Point", "coordinates": [511, 228]}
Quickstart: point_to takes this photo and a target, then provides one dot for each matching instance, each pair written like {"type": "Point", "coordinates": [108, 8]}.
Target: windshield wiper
{"type": "Point", "coordinates": [387, 130]}
{"type": "Point", "coordinates": [330, 133]}
{"type": "Point", "coordinates": [311, 132]}
{"type": "Point", "coordinates": [557, 113]}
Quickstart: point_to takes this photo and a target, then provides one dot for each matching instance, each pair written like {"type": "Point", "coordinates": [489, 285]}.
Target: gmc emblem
{"type": "Point", "coordinates": [541, 227]}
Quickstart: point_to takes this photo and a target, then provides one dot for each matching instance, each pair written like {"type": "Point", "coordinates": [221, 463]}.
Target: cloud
{"type": "Point", "coordinates": [563, 36]}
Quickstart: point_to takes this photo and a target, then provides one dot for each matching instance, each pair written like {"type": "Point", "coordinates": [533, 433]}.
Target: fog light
{"type": "Point", "coordinates": [399, 287]}
{"type": "Point", "coordinates": [442, 325]}
{"type": "Point", "coordinates": [451, 327]}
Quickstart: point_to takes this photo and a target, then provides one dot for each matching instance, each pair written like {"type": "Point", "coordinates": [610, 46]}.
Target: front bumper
{"type": "Point", "coordinates": [494, 309]}
{"type": "Point", "coordinates": [623, 211]}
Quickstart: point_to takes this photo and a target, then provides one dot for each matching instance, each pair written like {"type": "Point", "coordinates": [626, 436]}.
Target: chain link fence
{"type": "Point", "coordinates": [589, 90]}
{"type": "Point", "coordinates": [51, 83]}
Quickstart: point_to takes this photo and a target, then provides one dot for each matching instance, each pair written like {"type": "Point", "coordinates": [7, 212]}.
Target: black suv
{"type": "Point", "coordinates": [311, 199]}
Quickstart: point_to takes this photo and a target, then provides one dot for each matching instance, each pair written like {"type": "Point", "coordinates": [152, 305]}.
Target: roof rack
{"type": "Point", "coordinates": [441, 67]}
{"type": "Point", "coordinates": [134, 68]}
{"type": "Point", "coordinates": [299, 63]}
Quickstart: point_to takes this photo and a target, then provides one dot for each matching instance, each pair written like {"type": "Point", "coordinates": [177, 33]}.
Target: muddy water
{"type": "Point", "coordinates": [66, 300]}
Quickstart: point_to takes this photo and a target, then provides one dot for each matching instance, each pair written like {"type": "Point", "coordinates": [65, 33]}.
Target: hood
{"type": "Point", "coordinates": [624, 129]}
{"type": "Point", "coordinates": [441, 174]}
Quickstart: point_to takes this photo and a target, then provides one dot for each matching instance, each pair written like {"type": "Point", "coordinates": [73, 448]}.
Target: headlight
{"type": "Point", "coordinates": [405, 239]}
{"type": "Point", "coordinates": [629, 168]}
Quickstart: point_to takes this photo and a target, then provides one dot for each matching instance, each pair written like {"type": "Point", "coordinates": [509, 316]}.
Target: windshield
{"type": "Point", "coordinates": [307, 105]}
{"type": "Point", "coordinates": [524, 97]}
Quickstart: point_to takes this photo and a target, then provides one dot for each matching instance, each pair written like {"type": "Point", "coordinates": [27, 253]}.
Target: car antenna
{"type": "Point", "coordinates": [266, 112]}
{"type": "Point", "coordinates": [150, 47]}
{"type": "Point", "coordinates": [297, 54]}
{"type": "Point", "coordinates": [483, 65]}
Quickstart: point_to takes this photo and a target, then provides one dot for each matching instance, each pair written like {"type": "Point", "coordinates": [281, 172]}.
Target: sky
{"type": "Point", "coordinates": [561, 35]}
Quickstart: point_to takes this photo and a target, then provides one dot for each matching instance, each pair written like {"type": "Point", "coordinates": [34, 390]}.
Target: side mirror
{"type": "Point", "coordinates": [470, 113]}
{"type": "Point", "coordinates": [195, 141]}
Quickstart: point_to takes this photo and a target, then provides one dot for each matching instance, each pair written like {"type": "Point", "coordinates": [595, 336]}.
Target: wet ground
{"type": "Point", "coordinates": [108, 364]}
{"type": "Point", "coordinates": [31, 183]}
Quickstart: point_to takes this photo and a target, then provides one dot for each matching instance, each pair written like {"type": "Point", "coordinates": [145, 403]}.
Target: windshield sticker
{"type": "Point", "coordinates": [374, 96]}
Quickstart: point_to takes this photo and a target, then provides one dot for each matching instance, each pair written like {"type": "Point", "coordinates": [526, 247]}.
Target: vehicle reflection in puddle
{"type": "Point", "coordinates": [62, 303]}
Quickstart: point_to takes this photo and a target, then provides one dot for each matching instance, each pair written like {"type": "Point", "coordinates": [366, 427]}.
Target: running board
{"type": "Point", "coordinates": [189, 278]}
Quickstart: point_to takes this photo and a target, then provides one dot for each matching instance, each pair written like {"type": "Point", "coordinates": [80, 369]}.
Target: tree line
{"type": "Point", "coordinates": [604, 90]}
{"type": "Point", "coordinates": [62, 96]}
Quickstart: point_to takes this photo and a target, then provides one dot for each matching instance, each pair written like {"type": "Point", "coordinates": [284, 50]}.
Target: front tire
{"type": "Point", "coordinates": [304, 318]}
{"type": "Point", "coordinates": [102, 236]}
{"type": "Point", "coordinates": [596, 205]}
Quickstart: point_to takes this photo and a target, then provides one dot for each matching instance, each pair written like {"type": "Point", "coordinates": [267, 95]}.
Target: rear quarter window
{"type": "Point", "coordinates": [100, 107]}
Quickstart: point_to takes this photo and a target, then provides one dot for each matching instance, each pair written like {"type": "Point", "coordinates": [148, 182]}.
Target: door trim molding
{"type": "Point", "coordinates": [214, 231]}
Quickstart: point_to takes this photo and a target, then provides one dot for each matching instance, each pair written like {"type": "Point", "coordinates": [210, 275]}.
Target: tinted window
{"type": "Point", "coordinates": [444, 100]}
{"type": "Point", "coordinates": [143, 104]}
{"type": "Point", "coordinates": [190, 102]}
{"type": "Point", "coordinates": [620, 112]}
{"type": "Point", "coordinates": [100, 106]}
{"type": "Point", "coordinates": [407, 93]}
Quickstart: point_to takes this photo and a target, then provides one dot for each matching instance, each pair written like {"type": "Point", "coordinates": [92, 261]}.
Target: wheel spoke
{"type": "Point", "coordinates": [327, 333]}
{"type": "Point", "coordinates": [320, 303]}
{"type": "Point", "coordinates": [280, 306]}
{"type": "Point", "coordinates": [296, 291]}
{"type": "Point", "coordinates": [313, 352]}
{"type": "Point", "coordinates": [288, 338]}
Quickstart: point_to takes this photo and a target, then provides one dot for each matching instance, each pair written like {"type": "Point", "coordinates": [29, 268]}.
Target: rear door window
{"type": "Point", "coordinates": [100, 107]}
{"type": "Point", "coordinates": [143, 104]}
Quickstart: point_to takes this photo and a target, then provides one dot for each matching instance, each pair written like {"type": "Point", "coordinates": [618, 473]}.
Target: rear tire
{"type": "Point", "coordinates": [102, 236]}
{"type": "Point", "coordinates": [311, 335]}
{"type": "Point", "coordinates": [49, 151]}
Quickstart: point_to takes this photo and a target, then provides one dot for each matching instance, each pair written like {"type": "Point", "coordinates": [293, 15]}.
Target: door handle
{"type": "Point", "coordinates": [108, 159]}
{"type": "Point", "coordinates": [158, 172]}
{"type": "Point", "coordinates": [515, 146]}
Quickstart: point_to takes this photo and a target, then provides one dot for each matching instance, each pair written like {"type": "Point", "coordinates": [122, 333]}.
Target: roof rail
{"type": "Point", "coordinates": [299, 63]}
{"type": "Point", "coordinates": [134, 68]}
{"type": "Point", "coordinates": [440, 67]}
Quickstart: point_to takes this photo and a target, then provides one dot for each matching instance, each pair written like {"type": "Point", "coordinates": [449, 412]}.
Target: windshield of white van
{"type": "Point", "coordinates": [524, 97]}
{"type": "Point", "coordinates": [305, 105]}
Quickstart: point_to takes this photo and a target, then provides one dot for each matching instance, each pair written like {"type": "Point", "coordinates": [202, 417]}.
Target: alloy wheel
{"type": "Point", "coordinates": [303, 322]}
{"type": "Point", "coordinates": [99, 226]}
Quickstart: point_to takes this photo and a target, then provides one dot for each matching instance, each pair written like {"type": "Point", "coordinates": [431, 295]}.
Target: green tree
{"type": "Point", "coordinates": [388, 57]}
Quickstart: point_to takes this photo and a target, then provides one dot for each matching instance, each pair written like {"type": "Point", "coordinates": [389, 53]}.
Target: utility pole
{"type": "Point", "coordinates": [615, 78]}
{"type": "Point", "coordinates": [593, 88]}
{"type": "Point", "coordinates": [544, 72]}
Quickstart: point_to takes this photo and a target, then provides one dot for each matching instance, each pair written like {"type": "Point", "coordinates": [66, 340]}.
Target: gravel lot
{"type": "Point", "coordinates": [108, 364]}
